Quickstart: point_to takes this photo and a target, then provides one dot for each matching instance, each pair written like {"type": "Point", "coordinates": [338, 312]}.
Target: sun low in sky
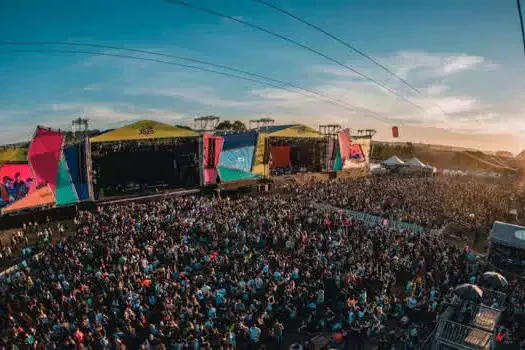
{"type": "Point", "coordinates": [463, 58]}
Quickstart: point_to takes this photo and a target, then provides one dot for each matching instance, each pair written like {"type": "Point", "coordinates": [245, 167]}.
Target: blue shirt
{"type": "Point", "coordinates": [255, 333]}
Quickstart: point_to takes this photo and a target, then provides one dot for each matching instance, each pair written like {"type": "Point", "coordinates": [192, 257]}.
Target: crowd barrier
{"type": "Point", "coordinates": [374, 220]}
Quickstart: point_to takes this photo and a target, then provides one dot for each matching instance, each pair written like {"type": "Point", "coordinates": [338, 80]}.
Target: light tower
{"type": "Point", "coordinates": [206, 123]}
{"type": "Point", "coordinates": [79, 127]}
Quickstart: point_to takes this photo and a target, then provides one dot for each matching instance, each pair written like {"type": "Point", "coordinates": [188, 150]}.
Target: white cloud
{"type": "Point", "coordinates": [436, 89]}
{"type": "Point", "coordinates": [456, 64]}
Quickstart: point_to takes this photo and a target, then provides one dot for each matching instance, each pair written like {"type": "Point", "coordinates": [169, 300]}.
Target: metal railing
{"type": "Point", "coordinates": [374, 220]}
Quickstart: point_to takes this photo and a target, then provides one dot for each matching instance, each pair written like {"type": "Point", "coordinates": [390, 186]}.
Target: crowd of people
{"type": "Point", "coordinates": [255, 272]}
{"type": "Point", "coordinates": [429, 202]}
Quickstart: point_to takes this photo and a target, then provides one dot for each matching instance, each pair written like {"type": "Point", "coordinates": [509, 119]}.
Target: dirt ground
{"type": "Point", "coordinates": [5, 237]}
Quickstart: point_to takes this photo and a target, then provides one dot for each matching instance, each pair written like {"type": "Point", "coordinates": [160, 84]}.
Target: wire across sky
{"type": "Point", "coordinates": [296, 43]}
{"type": "Point", "coordinates": [370, 114]}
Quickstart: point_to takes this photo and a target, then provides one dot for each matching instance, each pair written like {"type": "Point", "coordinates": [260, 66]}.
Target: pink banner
{"type": "Point", "coordinates": [210, 170]}
{"type": "Point", "coordinates": [44, 156]}
{"type": "Point", "coordinates": [344, 144]}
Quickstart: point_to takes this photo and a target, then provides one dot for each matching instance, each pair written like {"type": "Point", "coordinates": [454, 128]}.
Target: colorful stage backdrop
{"type": "Point", "coordinates": [212, 150]}
{"type": "Point", "coordinates": [16, 182]}
{"type": "Point", "coordinates": [44, 156]}
{"type": "Point", "coordinates": [237, 156]}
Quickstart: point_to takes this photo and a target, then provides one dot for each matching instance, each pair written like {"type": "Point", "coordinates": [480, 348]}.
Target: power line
{"type": "Point", "coordinates": [520, 14]}
{"type": "Point", "coordinates": [186, 66]}
{"type": "Point", "coordinates": [183, 58]}
{"type": "Point", "coordinates": [254, 26]}
{"type": "Point", "coordinates": [361, 53]}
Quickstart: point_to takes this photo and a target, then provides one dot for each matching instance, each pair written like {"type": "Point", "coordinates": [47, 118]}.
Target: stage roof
{"type": "Point", "coordinates": [143, 130]}
{"type": "Point", "coordinates": [293, 130]}
{"type": "Point", "coordinates": [508, 235]}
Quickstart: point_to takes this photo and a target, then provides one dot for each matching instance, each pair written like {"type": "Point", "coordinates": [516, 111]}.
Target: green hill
{"type": "Point", "coordinates": [13, 154]}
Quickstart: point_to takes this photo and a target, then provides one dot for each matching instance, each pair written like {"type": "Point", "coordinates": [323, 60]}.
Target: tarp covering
{"type": "Point", "coordinates": [76, 160]}
{"type": "Point", "coordinates": [44, 156]}
{"type": "Point", "coordinates": [210, 173]}
{"type": "Point", "coordinates": [65, 191]}
{"type": "Point", "coordinates": [393, 161]}
{"type": "Point", "coordinates": [38, 198]}
{"type": "Point", "coordinates": [238, 140]}
{"type": "Point", "coordinates": [280, 156]}
{"type": "Point", "coordinates": [508, 235]}
{"type": "Point", "coordinates": [237, 158]}
{"type": "Point", "coordinates": [228, 175]}
{"type": "Point", "coordinates": [143, 130]}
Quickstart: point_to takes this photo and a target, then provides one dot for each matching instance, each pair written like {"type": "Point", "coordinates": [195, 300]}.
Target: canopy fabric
{"type": "Point", "coordinates": [143, 130]}
{"type": "Point", "coordinates": [508, 235]}
{"type": "Point", "coordinates": [392, 161]}
{"type": "Point", "coordinates": [416, 163]}
{"type": "Point", "coordinates": [227, 175]}
{"type": "Point", "coordinates": [40, 197]}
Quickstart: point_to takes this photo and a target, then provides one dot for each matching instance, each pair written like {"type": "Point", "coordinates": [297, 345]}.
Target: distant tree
{"type": "Point", "coordinates": [224, 125]}
{"type": "Point", "coordinates": [238, 125]}
{"type": "Point", "coordinates": [228, 125]}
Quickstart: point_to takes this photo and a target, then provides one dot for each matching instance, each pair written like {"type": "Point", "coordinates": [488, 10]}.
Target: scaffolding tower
{"type": "Point", "coordinates": [330, 132]}
{"type": "Point", "coordinates": [206, 123]}
{"type": "Point", "coordinates": [79, 128]}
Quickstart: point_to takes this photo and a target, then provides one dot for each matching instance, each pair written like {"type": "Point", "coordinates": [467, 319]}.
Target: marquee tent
{"type": "Point", "coordinates": [393, 161]}
{"type": "Point", "coordinates": [143, 130]}
{"type": "Point", "coordinates": [414, 162]}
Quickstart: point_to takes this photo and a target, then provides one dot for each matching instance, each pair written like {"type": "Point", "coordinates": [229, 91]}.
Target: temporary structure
{"type": "Point", "coordinates": [414, 162]}
{"type": "Point", "coordinates": [393, 161]}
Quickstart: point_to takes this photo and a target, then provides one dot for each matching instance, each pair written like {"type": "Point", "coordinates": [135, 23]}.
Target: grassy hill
{"type": "Point", "coordinates": [13, 154]}
{"type": "Point", "coordinates": [444, 157]}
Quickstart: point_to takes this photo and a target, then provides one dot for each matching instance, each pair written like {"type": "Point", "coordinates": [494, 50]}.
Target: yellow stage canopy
{"type": "Point", "coordinates": [143, 130]}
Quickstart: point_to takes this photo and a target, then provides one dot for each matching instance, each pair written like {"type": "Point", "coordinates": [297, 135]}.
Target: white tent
{"type": "Point", "coordinates": [393, 161]}
{"type": "Point", "coordinates": [416, 163]}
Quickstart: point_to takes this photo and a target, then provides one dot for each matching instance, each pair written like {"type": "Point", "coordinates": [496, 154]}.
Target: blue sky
{"type": "Point", "coordinates": [464, 56]}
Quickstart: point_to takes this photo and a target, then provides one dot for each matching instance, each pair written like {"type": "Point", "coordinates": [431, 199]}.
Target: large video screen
{"type": "Point", "coordinates": [132, 167]}
{"type": "Point", "coordinates": [16, 182]}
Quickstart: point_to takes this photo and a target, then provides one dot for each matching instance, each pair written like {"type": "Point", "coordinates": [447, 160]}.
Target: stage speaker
{"type": "Point", "coordinates": [332, 175]}
{"type": "Point", "coordinates": [211, 153]}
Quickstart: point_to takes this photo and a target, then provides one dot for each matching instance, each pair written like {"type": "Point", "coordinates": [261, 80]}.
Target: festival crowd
{"type": "Point", "coordinates": [255, 272]}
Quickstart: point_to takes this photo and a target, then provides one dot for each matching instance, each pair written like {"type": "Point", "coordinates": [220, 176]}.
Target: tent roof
{"type": "Point", "coordinates": [508, 235]}
{"type": "Point", "coordinates": [416, 162]}
{"type": "Point", "coordinates": [394, 160]}
{"type": "Point", "coordinates": [292, 130]}
{"type": "Point", "coordinates": [143, 130]}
